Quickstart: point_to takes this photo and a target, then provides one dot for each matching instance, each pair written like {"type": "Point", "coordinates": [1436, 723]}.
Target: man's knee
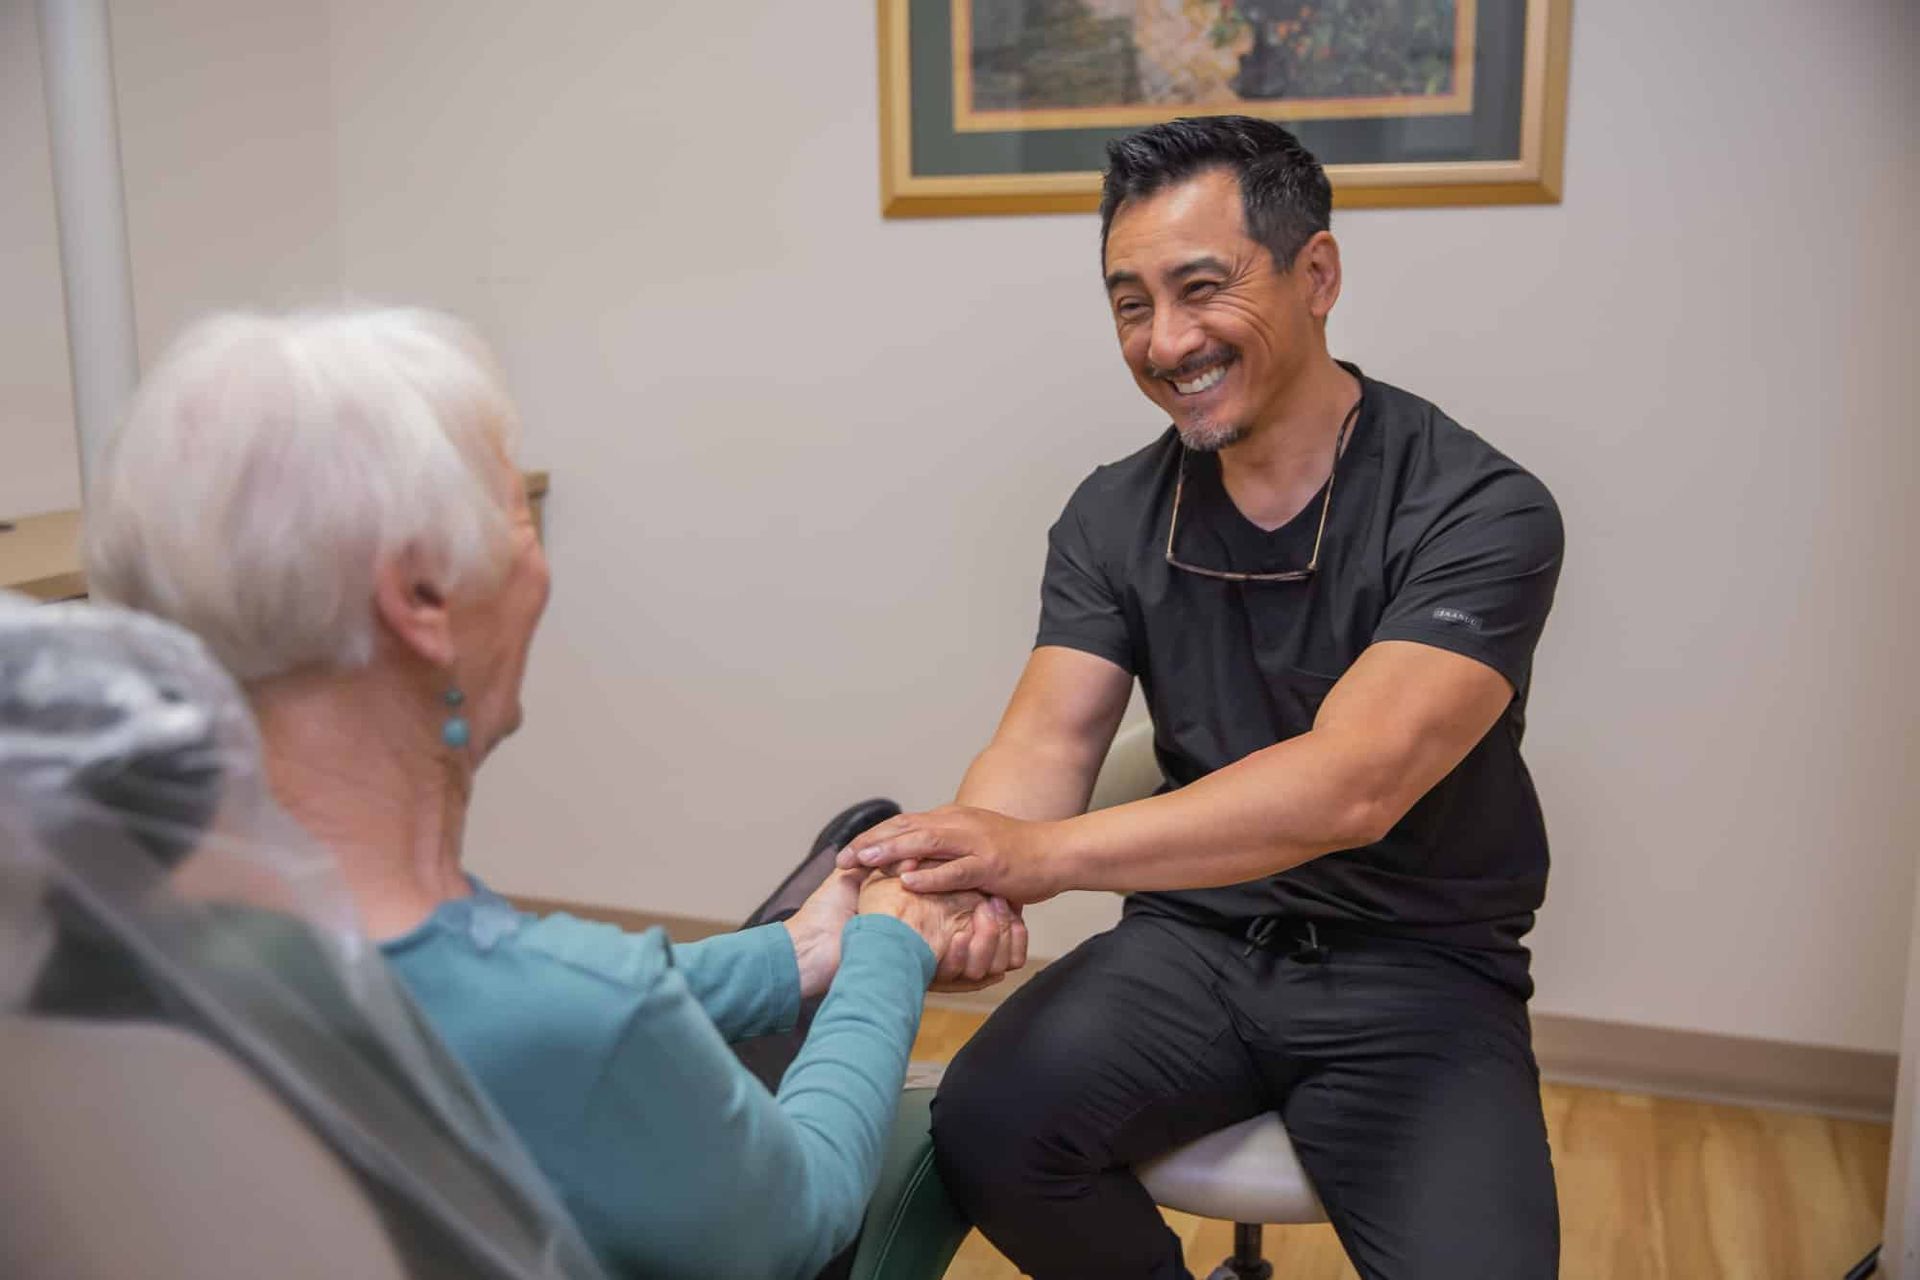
{"type": "Point", "coordinates": [1018, 1106]}
{"type": "Point", "coordinates": [1434, 1163]}
{"type": "Point", "coordinates": [982, 1115]}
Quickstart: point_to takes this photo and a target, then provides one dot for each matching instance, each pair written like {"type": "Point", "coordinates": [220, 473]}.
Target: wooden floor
{"type": "Point", "coordinates": [1650, 1189]}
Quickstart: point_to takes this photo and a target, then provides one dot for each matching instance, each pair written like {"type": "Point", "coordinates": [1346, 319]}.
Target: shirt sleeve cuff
{"type": "Point", "coordinates": [1455, 640]}
{"type": "Point", "coordinates": [1114, 652]}
{"type": "Point", "coordinates": [887, 932]}
{"type": "Point", "coordinates": [783, 974]}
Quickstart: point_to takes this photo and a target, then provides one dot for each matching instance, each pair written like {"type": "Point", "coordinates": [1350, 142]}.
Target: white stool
{"type": "Point", "coordinates": [1246, 1174]}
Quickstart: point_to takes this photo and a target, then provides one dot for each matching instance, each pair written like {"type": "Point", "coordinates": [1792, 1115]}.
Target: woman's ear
{"type": "Point", "coordinates": [413, 606]}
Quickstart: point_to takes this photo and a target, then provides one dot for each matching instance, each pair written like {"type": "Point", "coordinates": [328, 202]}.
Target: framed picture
{"type": "Point", "coordinates": [1006, 106]}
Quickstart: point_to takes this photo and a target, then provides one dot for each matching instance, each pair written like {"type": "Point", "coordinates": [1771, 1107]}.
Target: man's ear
{"type": "Point", "coordinates": [1318, 266]}
{"type": "Point", "coordinates": [413, 605]}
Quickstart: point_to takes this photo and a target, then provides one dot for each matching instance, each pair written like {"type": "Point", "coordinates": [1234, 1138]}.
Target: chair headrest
{"type": "Point", "coordinates": [121, 711]}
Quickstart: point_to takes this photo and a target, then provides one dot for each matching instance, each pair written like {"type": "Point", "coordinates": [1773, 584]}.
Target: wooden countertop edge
{"type": "Point", "coordinates": [67, 580]}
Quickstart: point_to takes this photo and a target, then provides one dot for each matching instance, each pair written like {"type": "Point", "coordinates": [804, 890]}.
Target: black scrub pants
{"type": "Point", "coordinates": [1405, 1078]}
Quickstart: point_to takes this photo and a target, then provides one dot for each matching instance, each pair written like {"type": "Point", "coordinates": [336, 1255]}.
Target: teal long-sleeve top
{"type": "Point", "coordinates": [607, 1052]}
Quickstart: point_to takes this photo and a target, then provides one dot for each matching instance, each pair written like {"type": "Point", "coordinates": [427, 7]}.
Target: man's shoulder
{"type": "Point", "coordinates": [1118, 487]}
{"type": "Point", "coordinates": [1426, 449]}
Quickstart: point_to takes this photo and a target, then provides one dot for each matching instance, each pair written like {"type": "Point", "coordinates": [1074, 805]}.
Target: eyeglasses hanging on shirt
{"type": "Point", "coordinates": [1285, 575]}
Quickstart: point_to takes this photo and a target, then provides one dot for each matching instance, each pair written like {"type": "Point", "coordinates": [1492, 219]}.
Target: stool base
{"type": "Point", "coordinates": [1246, 1262]}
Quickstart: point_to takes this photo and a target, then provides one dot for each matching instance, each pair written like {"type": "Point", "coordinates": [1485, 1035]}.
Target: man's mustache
{"type": "Point", "coordinates": [1192, 366]}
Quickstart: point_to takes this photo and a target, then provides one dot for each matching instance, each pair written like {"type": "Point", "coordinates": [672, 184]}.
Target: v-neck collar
{"type": "Point", "coordinates": [1218, 523]}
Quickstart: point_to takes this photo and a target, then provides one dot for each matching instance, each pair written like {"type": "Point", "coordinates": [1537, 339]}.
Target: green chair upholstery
{"type": "Point", "coordinates": [913, 1228]}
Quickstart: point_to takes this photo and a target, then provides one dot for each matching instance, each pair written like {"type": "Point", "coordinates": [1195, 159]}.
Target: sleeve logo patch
{"type": "Point", "coordinates": [1458, 618]}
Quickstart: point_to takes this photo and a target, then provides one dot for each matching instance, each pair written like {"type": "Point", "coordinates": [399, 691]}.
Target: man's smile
{"type": "Point", "coordinates": [1198, 374]}
{"type": "Point", "coordinates": [1202, 382]}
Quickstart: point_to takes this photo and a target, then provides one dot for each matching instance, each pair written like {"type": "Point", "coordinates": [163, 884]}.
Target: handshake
{"type": "Point", "coordinates": [956, 876]}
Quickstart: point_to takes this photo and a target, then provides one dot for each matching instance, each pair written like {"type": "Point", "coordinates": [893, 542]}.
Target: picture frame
{"type": "Point", "coordinates": [1005, 106]}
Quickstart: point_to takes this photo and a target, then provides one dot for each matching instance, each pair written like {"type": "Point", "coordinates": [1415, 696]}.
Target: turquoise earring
{"type": "Point", "coordinates": [456, 733]}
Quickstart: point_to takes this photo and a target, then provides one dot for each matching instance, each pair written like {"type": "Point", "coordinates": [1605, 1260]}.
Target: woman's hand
{"type": "Point", "coordinates": [995, 942]}
{"type": "Point", "coordinates": [941, 919]}
{"type": "Point", "coordinates": [815, 929]}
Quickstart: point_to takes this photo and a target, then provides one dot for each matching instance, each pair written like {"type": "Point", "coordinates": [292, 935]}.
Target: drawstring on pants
{"type": "Point", "coordinates": [1306, 950]}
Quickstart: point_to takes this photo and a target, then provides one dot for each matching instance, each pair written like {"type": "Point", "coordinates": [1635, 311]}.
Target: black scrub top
{"type": "Point", "coordinates": [1433, 536]}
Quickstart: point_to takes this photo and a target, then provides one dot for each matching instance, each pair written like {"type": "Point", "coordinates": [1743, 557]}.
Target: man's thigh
{"type": "Point", "coordinates": [1415, 1107]}
{"type": "Point", "coordinates": [1115, 1053]}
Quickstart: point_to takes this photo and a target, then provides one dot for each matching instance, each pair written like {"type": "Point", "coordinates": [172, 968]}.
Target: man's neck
{"type": "Point", "coordinates": [356, 759]}
{"type": "Point", "coordinates": [1277, 469]}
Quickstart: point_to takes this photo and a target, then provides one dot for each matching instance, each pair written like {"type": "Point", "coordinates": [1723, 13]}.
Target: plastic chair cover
{"type": "Point", "coordinates": [147, 874]}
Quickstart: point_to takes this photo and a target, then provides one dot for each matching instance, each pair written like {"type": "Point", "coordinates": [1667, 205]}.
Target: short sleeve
{"type": "Point", "coordinates": [1079, 608]}
{"type": "Point", "coordinates": [1482, 577]}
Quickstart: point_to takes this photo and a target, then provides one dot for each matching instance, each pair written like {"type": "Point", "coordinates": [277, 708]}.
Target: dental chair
{"type": "Point", "coordinates": [208, 1071]}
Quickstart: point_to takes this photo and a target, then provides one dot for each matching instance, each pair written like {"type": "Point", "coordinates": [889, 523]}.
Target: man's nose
{"type": "Point", "coordinates": [1174, 339]}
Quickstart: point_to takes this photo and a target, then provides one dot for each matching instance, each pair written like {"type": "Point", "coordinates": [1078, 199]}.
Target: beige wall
{"type": "Point", "coordinates": [804, 458]}
{"type": "Point", "coordinates": [226, 135]}
{"type": "Point", "coordinates": [39, 467]}
{"type": "Point", "coordinates": [225, 141]}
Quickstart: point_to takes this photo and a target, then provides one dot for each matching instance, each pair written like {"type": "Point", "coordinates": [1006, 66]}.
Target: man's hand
{"type": "Point", "coordinates": [991, 940]}
{"type": "Point", "coordinates": [958, 848]}
{"type": "Point", "coordinates": [815, 929]}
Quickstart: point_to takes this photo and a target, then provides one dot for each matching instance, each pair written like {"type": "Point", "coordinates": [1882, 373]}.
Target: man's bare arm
{"type": "Point", "coordinates": [1041, 763]}
{"type": "Point", "coordinates": [1044, 757]}
{"type": "Point", "coordinates": [1398, 722]}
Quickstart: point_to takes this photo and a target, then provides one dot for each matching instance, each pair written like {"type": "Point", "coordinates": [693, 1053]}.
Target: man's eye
{"type": "Point", "coordinates": [1199, 289]}
{"type": "Point", "coordinates": [1131, 309]}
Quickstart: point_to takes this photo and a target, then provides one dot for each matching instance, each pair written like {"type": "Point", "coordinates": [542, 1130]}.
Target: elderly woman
{"type": "Point", "coordinates": [328, 501]}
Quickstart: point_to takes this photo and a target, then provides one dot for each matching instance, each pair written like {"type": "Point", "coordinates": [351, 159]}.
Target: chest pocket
{"type": "Point", "coordinates": [1294, 695]}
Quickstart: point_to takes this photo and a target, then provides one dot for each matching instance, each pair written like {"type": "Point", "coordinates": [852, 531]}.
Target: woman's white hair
{"type": "Point", "coordinates": [271, 462]}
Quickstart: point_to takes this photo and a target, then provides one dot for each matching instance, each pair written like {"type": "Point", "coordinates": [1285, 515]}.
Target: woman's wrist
{"type": "Point", "coordinates": [816, 955]}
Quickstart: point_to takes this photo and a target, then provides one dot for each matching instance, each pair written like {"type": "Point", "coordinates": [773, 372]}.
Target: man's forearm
{"type": "Point", "coordinates": [1402, 718]}
{"type": "Point", "coordinates": [1273, 810]}
{"type": "Point", "coordinates": [1032, 781]}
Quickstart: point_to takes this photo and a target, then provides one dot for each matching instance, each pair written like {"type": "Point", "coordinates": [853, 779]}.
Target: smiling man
{"type": "Point", "coordinates": [1330, 593]}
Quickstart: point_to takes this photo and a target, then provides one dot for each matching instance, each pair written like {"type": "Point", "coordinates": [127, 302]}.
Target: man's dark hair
{"type": "Point", "coordinates": [1284, 193]}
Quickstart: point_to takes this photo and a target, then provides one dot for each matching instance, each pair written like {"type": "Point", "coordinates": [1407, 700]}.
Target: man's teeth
{"type": "Point", "coordinates": [1201, 383]}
